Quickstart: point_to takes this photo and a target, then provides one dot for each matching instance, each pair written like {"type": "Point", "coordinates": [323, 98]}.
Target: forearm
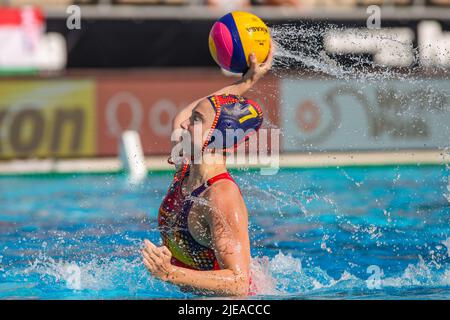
{"type": "Point", "coordinates": [224, 282]}
{"type": "Point", "coordinates": [239, 88]}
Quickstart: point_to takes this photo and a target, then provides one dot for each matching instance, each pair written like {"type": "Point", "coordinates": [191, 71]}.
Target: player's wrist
{"type": "Point", "coordinates": [251, 78]}
{"type": "Point", "coordinates": [174, 274]}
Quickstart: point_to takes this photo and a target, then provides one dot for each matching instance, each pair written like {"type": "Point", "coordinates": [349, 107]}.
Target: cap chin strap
{"type": "Point", "coordinates": [218, 110]}
{"type": "Point", "coordinates": [183, 170]}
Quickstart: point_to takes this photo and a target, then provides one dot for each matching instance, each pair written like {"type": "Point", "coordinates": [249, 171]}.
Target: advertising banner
{"type": "Point", "coordinates": [85, 118]}
{"type": "Point", "coordinates": [74, 118]}
{"type": "Point", "coordinates": [47, 118]}
{"type": "Point", "coordinates": [334, 115]}
{"type": "Point", "coordinates": [148, 105]}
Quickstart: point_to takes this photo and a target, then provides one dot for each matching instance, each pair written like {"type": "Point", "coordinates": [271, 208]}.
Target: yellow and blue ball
{"type": "Point", "coordinates": [234, 36]}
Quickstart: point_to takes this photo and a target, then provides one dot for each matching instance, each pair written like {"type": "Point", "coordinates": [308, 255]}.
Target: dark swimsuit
{"type": "Point", "coordinates": [173, 224]}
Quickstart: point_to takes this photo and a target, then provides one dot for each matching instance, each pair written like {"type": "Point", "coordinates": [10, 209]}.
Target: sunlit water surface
{"type": "Point", "coordinates": [344, 233]}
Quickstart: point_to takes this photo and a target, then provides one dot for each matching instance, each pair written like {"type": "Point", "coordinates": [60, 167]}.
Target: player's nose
{"type": "Point", "coordinates": [184, 125]}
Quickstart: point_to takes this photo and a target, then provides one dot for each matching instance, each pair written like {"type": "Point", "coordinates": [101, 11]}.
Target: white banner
{"type": "Point", "coordinates": [333, 115]}
{"type": "Point", "coordinates": [24, 44]}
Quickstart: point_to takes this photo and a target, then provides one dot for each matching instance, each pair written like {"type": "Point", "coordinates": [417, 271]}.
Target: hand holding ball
{"type": "Point", "coordinates": [234, 36]}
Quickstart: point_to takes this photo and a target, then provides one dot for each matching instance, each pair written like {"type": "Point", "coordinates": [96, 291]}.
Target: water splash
{"type": "Point", "coordinates": [447, 195]}
{"type": "Point", "coordinates": [285, 275]}
{"type": "Point", "coordinates": [116, 275]}
{"type": "Point", "coordinates": [357, 183]}
{"type": "Point", "coordinates": [282, 275]}
{"type": "Point", "coordinates": [305, 46]}
{"type": "Point", "coordinates": [446, 243]}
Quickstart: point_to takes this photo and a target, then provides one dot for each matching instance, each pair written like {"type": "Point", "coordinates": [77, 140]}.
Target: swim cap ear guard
{"type": "Point", "coordinates": [235, 120]}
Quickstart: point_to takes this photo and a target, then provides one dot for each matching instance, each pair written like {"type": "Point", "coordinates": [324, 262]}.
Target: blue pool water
{"type": "Point", "coordinates": [344, 233]}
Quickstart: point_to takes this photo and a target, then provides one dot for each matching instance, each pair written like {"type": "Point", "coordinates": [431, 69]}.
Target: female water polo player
{"type": "Point", "coordinates": [203, 218]}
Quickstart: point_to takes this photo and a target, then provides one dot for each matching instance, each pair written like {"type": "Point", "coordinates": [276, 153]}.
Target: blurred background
{"type": "Point", "coordinates": [76, 74]}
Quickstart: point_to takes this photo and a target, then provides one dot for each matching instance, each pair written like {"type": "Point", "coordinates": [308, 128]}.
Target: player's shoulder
{"type": "Point", "coordinates": [226, 196]}
{"type": "Point", "coordinates": [223, 189]}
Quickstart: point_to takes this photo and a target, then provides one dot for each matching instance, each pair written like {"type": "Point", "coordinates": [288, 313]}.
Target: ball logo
{"type": "Point", "coordinates": [257, 29]}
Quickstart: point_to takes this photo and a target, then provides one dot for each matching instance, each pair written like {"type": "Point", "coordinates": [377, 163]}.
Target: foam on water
{"type": "Point", "coordinates": [284, 275]}
{"type": "Point", "coordinates": [281, 276]}
{"type": "Point", "coordinates": [119, 276]}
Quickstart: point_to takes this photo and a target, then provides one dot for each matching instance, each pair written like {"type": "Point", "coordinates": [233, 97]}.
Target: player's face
{"type": "Point", "coordinates": [199, 124]}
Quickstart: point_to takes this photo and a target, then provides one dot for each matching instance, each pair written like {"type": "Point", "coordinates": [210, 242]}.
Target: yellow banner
{"type": "Point", "coordinates": [54, 118]}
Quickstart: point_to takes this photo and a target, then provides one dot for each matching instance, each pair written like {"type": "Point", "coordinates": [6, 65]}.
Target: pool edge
{"type": "Point", "coordinates": [287, 160]}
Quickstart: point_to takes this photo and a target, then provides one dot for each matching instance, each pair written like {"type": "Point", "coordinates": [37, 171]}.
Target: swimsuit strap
{"type": "Point", "coordinates": [208, 183]}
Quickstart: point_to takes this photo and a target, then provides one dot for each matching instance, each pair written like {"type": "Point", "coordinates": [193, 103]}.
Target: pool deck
{"type": "Point", "coordinates": [286, 160]}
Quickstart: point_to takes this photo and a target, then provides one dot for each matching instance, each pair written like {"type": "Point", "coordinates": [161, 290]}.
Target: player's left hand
{"type": "Point", "coordinates": [157, 260]}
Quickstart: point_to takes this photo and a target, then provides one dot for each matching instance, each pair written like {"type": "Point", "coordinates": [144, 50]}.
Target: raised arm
{"type": "Point", "coordinates": [249, 79]}
{"type": "Point", "coordinates": [229, 234]}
